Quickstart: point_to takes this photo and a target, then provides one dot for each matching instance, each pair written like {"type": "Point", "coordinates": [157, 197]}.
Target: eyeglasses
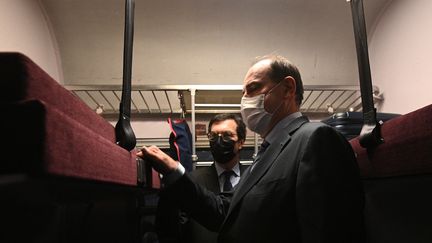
{"type": "Point", "coordinates": [226, 136]}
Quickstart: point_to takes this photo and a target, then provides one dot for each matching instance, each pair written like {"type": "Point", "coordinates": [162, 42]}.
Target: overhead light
{"type": "Point", "coordinates": [99, 109]}
{"type": "Point", "coordinates": [330, 109]}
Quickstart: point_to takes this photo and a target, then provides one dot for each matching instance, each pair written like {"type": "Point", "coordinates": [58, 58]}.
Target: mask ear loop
{"type": "Point", "coordinates": [269, 92]}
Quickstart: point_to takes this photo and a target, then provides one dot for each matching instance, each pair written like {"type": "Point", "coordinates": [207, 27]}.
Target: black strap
{"type": "Point", "coordinates": [370, 135]}
{"type": "Point", "coordinates": [125, 136]}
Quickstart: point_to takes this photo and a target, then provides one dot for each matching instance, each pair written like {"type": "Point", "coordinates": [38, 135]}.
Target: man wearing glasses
{"type": "Point", "coordinates": [227, 134]}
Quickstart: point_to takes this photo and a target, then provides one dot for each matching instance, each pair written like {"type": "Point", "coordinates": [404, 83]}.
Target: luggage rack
{"type": "Point", "coordinates": [148, 100]}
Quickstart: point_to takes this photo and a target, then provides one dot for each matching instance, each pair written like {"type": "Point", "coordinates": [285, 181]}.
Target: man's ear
{"type": "Point", "coordinates": [290, 85]}
{"type": "Point", "coordinates": [241, 143]}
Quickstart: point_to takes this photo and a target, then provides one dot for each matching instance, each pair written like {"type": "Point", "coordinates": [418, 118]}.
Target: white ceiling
{"type": "Point", "coordinates": [206, 41]}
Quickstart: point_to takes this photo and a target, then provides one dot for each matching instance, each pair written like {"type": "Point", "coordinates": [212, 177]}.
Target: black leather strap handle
{"type": "Point", "coordinates": [125, 136]}
{"type": "Point", "coordinates": [370, 135]}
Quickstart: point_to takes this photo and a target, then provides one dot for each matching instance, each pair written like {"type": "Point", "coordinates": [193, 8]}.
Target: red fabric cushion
{"type": "Point", "coordinates": [407, 147]}
{"type": "Point", "coordinates": [53, 143]}
{"type": "Point", "coordinates": [22, 79]}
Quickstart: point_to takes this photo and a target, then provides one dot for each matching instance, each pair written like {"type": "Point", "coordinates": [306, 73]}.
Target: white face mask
{"type": "Point", "coordinates": [256, 118]}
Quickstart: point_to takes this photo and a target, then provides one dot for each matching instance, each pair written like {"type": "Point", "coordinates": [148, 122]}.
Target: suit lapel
{"type": "Point", "coordinates": [212, 179]}
{"type": "Point", "coordinates": [243, 168]}
{"type": "Point", "coordinates": [265, 162]}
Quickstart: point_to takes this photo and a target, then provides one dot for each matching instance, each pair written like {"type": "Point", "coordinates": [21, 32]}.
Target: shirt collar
{"type": "Point", "coordinates": [280, 126]}
{"type": "Point", "coordinates": [220, 170]}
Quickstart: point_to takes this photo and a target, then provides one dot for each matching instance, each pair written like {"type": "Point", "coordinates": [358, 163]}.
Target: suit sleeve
{"type": "Point", "coordinates": [329, 194]}
{"type": "Point", "coordinates": [199, 203]}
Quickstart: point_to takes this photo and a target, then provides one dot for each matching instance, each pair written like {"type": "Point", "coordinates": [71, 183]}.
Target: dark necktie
{"type": "Point", "coordinates": [227, 184]}
{"type": "Point", "coordinates": [261, 150]}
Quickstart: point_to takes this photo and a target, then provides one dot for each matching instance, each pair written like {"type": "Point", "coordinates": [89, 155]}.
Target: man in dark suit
{"type": "Point", "coordinates": [304, 186]}
{"type": "Point", "coordinates": [227, 134]}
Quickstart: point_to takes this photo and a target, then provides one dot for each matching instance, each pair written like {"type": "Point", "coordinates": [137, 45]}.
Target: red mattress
{"type": "Point", "coordinates": [49, 131]}
{"type": "Point", "coordinates": [397, 177]}
{"type": "Point", "coordinates": [407, 147]}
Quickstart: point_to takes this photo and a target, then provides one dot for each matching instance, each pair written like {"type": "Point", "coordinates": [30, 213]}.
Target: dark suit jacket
{"type": "Point", "coordinates": [304, 188]}
{"type": "Point", "coordinates": [174, 226]}
{"type": "Point", "coordinates": [192, 231]}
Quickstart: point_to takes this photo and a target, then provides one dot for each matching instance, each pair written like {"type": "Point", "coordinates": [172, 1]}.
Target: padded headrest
{"type": "Point", "coordinates": [407, 147]}
{"type": "Point", "coordinates": [22, 79]}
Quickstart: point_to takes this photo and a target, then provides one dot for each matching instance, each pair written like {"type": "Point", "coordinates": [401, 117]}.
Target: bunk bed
{"type": "Point", "coordinates": [62, 176]}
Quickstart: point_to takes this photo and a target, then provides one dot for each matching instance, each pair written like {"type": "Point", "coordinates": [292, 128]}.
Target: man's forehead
{"type": "Point", "coordinates": [261, 66]}
{"type": "Point", "coordinates": [224, 125]}
{"type": "Point", "coordinates": [258, 70]}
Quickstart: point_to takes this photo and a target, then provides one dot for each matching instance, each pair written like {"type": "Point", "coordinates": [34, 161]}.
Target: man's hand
{"type": "Point", "coordinates": [160, 161]}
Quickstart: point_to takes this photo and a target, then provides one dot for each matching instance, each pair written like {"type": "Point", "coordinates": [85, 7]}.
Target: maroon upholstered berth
{"type": "Point", "coordinates": [397, 178]}
{"type": "Point", "coordinates": [407, 147]}
{"type": "Point", "coordinates": [74, 140]}
{"type": "Point", "coordinates": [62, 177]}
